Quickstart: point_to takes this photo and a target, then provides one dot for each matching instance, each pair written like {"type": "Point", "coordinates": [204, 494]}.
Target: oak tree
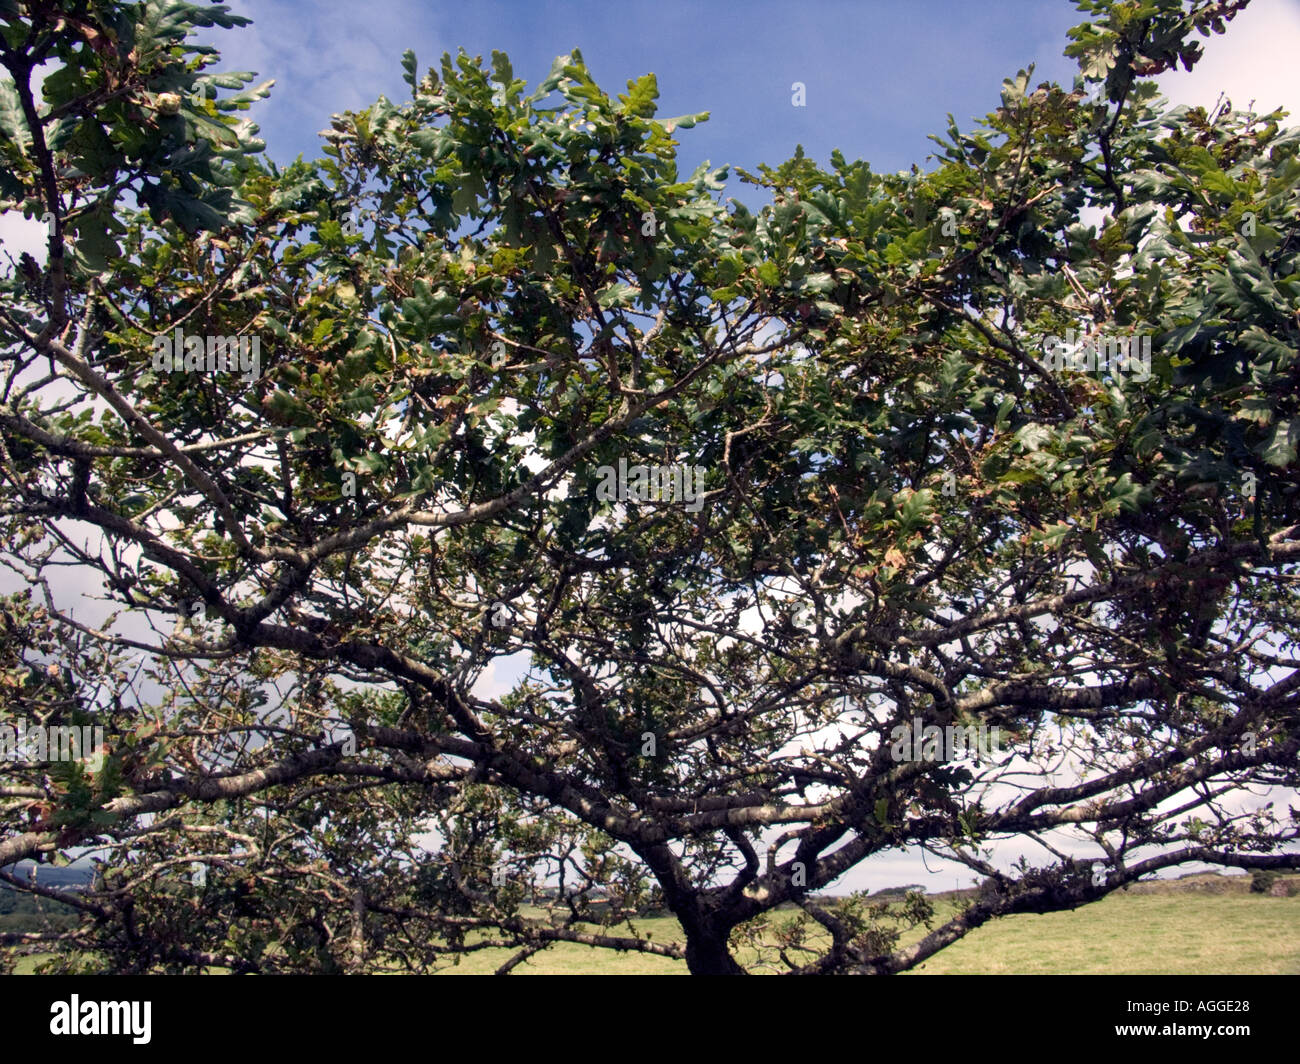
{"type": "Point", "coordinates": [386, 680]}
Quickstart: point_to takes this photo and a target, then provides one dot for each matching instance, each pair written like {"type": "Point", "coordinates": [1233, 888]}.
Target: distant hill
{"type": "Point", "coordinates": [897, 892]}
{"type": "Point", "coordinates": [77, 874]}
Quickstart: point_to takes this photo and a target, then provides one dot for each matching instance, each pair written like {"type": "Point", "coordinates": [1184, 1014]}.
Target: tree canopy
{"type": "Point", "coordinates": [335, 441]}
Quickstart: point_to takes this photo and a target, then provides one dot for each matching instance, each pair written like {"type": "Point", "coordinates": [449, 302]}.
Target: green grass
{"type": "Point", "coordinates": [27, 965]}
{"type": "Point", "coordinates": [1205, 925]}
{"type": "Point", "coordinates": [1151, 934]}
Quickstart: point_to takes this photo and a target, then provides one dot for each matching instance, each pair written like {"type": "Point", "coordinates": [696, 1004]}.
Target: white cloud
{"type": "Point", "coordinates": [332, 58]}
{"type": "Point", "coordinates": [1254, 60]}
{"type": "Point", "coordinates": [19, 234]}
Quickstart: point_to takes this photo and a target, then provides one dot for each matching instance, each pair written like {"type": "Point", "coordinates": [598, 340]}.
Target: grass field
{"type": "Point", "coordinates": [1169, 932]}
{"type": "Point", "coordinates": [1205, 925]}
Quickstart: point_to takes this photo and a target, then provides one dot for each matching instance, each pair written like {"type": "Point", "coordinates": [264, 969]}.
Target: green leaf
{"type": "Point", "coordinates": [95, 249]}
{"type": "Point", "coordinates": [641, 96]}
{"type": "Point", "coordinates": [13, 123]}
{"type": "Point", "coordinates": [1281, 449]}
{"type": "Point", "coordinates": [1126, 495]}
{"type": "Point", "coordinates": [502, 71]}
{"type": "Point", "coordinates": [617, 294]}
{"type": "Point", "coordinates": [1033, 436]}
{"type": "Point", "coordinates": [1053, 536]}
{"type": "Point", "coordinates": [683, 121]}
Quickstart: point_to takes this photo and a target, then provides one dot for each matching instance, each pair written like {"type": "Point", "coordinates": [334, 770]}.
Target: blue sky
{"type": "Point", "coordinates": [879, 76]}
